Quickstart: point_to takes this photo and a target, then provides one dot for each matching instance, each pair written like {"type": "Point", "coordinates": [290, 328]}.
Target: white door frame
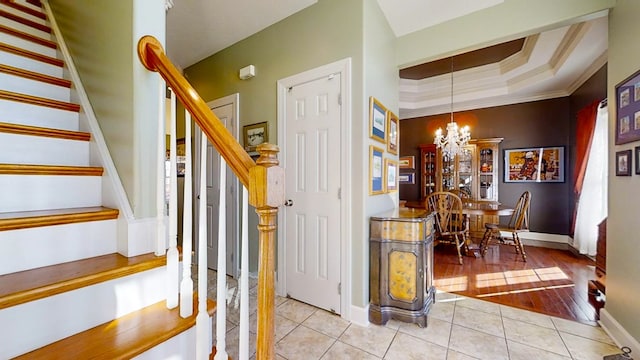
{"type": "Point", "coordinates": [233, 99]}
{"type": "Point", "coordinates": [344, 68]}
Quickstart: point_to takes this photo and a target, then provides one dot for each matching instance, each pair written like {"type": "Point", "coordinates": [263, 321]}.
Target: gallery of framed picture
{"type": "Point", "coordinates": [628, 124]}
{"type": "Point", "coordinates": [384, 128]}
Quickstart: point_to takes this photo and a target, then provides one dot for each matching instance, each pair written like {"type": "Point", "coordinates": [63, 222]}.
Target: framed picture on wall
{"type": "Point", "coordinates": [407, 162]}
{"type": "Point", "coordinates": [391, 175]}
{"type": "Point", "coordinates": [540, 164]}
{"type": "Point", "coordinates": [254, 135]}
{"type": "Point", "coordinates": [409, 178]}
{"type": "Point", "coordinates": [623, 163]}
{"type": "Point", "coordinates": [637, 151]}
{"type": "Point", "coordinates": [393, 133]}
{"type": "Point", "coordinates": [377, 120]}
{"type": "Point", "coordinates": [376, 171]}
{"type": "Point", "coordinates": [628, 109]}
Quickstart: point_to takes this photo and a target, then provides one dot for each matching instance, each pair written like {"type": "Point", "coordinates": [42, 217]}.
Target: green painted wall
{"type": "Point", "coordinates": [102, 40]}
{"type": "Point", "coordinates": [623, 267]}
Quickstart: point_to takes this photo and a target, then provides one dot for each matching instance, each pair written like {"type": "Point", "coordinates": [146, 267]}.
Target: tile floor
{"type": "Point", "coordinates": [458, 328]}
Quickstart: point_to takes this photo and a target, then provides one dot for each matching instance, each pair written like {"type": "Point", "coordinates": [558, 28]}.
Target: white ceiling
{"type": "Point", "coordinates": [553, 64]}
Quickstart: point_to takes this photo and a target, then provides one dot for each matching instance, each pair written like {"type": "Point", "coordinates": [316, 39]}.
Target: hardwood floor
{"type": "Point", "coordinates": [552, 282]}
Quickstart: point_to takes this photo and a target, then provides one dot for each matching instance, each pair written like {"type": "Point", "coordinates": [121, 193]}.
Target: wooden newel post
{"type": "Point", "coordinates": [266, 194]}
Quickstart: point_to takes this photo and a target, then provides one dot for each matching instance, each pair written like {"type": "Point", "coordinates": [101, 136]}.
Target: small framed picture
{"type": "Point", "coordinates": [254, 135]}
{"type": "Point", "coordinates": [376, 172]}
{"type": "Point", "coordinates": [377, 120]}
{"type": "Point", "coordinates": [623, 163]}
{"type": "Point", "coordinates": [393, 133]}
{"type": "Point", "coordinates": [407, 178]}
{"type": "Point", "coordinates": [391, 175]}
{"type": "Point", "coordinates": [407, 162]}
{"type": "Point", "coordinates": [627, 112]}
{"type": "Point", "coordinates": [637, 150]}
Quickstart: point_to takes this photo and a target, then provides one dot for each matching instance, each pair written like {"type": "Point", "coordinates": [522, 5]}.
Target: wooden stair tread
{"type": "Point", "coordinates": [40, 101]}
{"type": "Point", "coordinates": [29, 169]}
{"type": "Point", "coordinates": [44, 132]}
{"type": "Point", "coordinates": [30, 219]}
{"type": "Point", "coordinates": [25, 9]}
{"type": "Point", "coordinates": [24, 21]}
{"type": "Point", "coordinates": [34, 76]}
{"type": "Point", "coordinates": [29, 285]}
{"type": "Point", "coordinates": [31, 55]}
{"type": "Point", "coordinates": [122, 338]}
{"type": "Point", "coordinates": [26, 36]}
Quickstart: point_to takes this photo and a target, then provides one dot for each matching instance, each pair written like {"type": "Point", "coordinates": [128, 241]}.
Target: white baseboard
{"type": "Point", "coordinates": [360, 315]}
{"type": "Point", "coordinates": [618, 333]}
{"type": "Point", "coordinates": [553, 241]}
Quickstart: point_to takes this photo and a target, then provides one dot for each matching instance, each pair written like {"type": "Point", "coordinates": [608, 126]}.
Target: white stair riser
{"type": "Point", "coordinates": [26, 249]}
{"type": "Point", "coordinates": [26, 149]}
{"type": "Point", "coordinates": [181, 346]}
{"type": "Point", "coordinates": [24, 15]}
{"type": "Point", "coordinates": [22, 27]}
{"type": "Point", "coordinates": [28, 4]}
{"type": "Point", "coordinates": [27, 45]}
{"type": "Point", "coordinates": [25, 63]}
{"type": "Point", "coordinates": [35, 115]}
{"type": "Point", "coordinates": [48, 192]}
{"type": "Point", "coordinates": [21, 85]}
{"type": "Point", "coordinates": [32, 325]}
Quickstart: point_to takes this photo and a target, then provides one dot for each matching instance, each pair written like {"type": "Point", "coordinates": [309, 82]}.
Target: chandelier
{"type": "Point", "coordinates": [456, 139]}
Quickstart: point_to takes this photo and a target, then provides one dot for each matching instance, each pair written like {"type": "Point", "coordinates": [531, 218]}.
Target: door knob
{"type": "Point", "coordinates": [288, 203]}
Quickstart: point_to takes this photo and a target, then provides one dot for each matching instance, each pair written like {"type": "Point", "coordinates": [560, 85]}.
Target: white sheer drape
{"type": "Point", "coordinates": [592, 207]}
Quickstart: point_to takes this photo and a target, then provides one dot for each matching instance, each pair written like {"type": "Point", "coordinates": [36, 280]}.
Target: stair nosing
{"type": "Point", "coordinates": [25, 9]}
{"type": "Point", "coordinates": [71, 280]}
{"type": "Point", "coordinates": [41, 218]}
{"type": "Point", "coordinates": [62, 170]}
{"type": "Point", "coordinates": [29, 130]}
{"type": "Point", "coordinates": [32, 75]}
{"type": "Point", "coordinates": [31, 55]}
{"type": "Point", "coordinates": [26, 36]}
{"type": "Point", "coordinates": [39, 101]}
{"type": "Point", "coordinates": [25, 21]}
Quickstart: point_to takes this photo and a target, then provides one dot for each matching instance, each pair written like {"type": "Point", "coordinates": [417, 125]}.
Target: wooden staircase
{"type": "Point", "coordinates": [65, 292]}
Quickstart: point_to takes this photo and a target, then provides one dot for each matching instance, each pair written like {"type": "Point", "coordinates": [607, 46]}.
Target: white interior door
{"type": "Point", "coordinates": [312, 219]}
{"type": "Point", "coordinates": [226, 110]}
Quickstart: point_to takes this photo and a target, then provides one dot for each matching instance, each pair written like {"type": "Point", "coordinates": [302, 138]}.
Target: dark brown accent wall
{"type": "Point", "coordinates": [540, 123]}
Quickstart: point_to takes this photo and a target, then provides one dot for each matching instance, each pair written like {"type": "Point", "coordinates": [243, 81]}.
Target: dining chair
{"type": "Point", "coordinates": [451, 224]}
{"type": "Point", "coordinates": [518, 223]}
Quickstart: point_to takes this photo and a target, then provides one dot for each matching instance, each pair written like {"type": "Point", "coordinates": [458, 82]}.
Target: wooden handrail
{"type": "Point", "coordinates": [153, 58]}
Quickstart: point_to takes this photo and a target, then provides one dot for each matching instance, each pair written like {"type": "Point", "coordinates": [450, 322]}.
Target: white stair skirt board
{"type": "Point", "coordinates": [26, 249]}
{"type": "Point", "coordinates": [28, 149]}
{"type": "Point", "coordinates": [27, 45]}
{"type": "Point", "coordinates": [22, 85]}
{"type": "Point", "coordinates": [62, 315]}
{"type": "Point", "coordinates": [48, 192]}
{"type": "Point", "coordinates": [26, 63]}
{"type": "Point", "coordinates": [25, 15]}
{"type": "Point", "coordinates": [22, 27]}
{"type": "Point", "coordinates": [35, 115]}
{"type": "Point", "coordinates": [182, 346]}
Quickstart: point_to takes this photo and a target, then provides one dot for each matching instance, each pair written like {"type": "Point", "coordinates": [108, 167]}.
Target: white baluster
{"type": "Point", "coordinates": [186, 286]}
{"type": "Point", "coordinates": [173, 279]}
{"type": "Point", "coordinates": [244, 279]}
{"type": "Point", "coordinates": [221, 296]}
{"type": "Point", "coordinates": [202, 319]}
{"type": "Point", "coordinates": [161, 242]}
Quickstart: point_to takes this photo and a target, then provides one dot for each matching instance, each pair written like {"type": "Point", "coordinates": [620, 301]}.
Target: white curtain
{"type": "Point", "coordinates": [592, 207]}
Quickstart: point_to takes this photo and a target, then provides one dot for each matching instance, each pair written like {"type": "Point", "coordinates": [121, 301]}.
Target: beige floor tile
{"type": "Point", "coordinates": [587, 331]}
{"type": "Point", "coordinates": [304, 344]}
{"type": "Point", "coordinates": [393, 324]}
{"type": "Point", "coordinates": [407, 347]}
{"type": "Point", "coordinates": [443, 296]}
{"type": "Point", "coordinates": [372, 339]}
{"type": "Point", "coordinates": [534, 335]}
{"type": "Point", "coordinates": [582, 348]}
{"type": "Point", "coordinates": [437, 331]}
{"type": "Point", "coordinates": [519, 351]}
{"type": "Point", "coordinates": [233, 343]}
{"type": "Point", "coordinates": [478, 320]}
{"type": "Point", "coordinates": [478, 344]}
{"type": "Point", "coordinates": [327, 323]}
{"type": "Point", "coordinates": [295, 310]}
{"type": "Point", "coordinates": [454, 355]}
{"type": "Point", "coordinates": [480, 305]}
{"type": "Point", "coordinates": [442, 311]}
{"type": "Point", "coordinates": [342, 351]}
{"type": "Point", "coordinates": [526, 316]}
